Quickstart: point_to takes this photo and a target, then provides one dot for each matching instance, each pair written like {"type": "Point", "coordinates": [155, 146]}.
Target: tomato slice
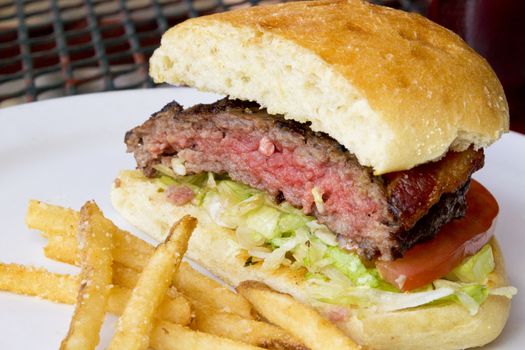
{"type": "Point", "coordinates": [458, 239]}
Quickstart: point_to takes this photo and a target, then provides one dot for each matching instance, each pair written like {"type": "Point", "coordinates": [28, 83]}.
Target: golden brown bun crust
{"type": "Point", "coordinates": [412, 87]}
{"type": "Point", "coordinates": [446, 326]}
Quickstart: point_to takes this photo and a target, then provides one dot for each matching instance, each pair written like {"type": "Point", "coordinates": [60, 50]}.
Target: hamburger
{"type": "Point", "coordinates": [337, 169]}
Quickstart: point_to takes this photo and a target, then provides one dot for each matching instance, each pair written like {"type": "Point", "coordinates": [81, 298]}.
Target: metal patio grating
{"type": "Point", "coordinates": [51, 48]}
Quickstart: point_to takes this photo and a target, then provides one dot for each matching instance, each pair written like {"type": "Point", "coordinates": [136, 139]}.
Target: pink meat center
{"type": "Point", "coordinates": [263, 163]}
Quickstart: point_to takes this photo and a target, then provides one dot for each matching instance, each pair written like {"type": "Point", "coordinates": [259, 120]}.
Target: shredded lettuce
{"type": "Point", "coordinates": [471, 296]}
{"type": "Point", "coordinates": [234, 192]}
{"type": "Point", "coordinates": [211, 181]}
{"type": "Point", "coordinates": [249, 238]}
{"type": "Point", "coordinates": [291, 222]}
{"type": "Point", "coordinates": [277, 235]}
{"type": "Point", "coordinates": [507, 292]}
{"type": "Point", "coordinates": [476, 268]}
{"type": "Point", "coordinates": [371, 297]}
{"type": "Point", "coordinates": [318, 199]}
{"type": "Point", "coordinates": [168, 181]}
{"type": "Point", "coordinates": [164, 170]}
{"type": "Point", "coordinates": [351, 266]}
{"type": "Point", "coordinates": [177, 165]}
{"type": "Point", "coordinates": [215, 208]}
{"type": "Point", "coordinates": [323, 233]}
{"type": "Point", "coordinates": [264, 220]}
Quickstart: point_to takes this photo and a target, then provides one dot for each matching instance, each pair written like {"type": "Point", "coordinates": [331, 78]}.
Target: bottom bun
{"type": "Point", "coordinates": [443, 326]}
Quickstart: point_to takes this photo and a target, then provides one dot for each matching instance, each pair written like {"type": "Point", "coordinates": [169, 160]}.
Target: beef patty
{"type": "Point", "coordinates": [379, 216]}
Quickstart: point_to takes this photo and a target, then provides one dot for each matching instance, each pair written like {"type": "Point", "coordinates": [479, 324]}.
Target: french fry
{"type": "Point", "coordinates": [234, 327]}
{"type": "Point", "coordinates": [169, 336]}
{"type": "Point", "coordinates": [135, 324]}
{"type": "Point", "coordinates": [210, 292]}
{"type": "Point", "coordinates": [52, 219]}
{"type": "Point", "coordinates": [203, 290]}
{"type": "Point", "coordinates": [125, 276]}
{"type": "Point", "coordinates": [130, 254]}
{"type": "Point", "coordinates": [39, 282]}
{"type": "Point", "coordinates": [55, 221]}
{"type": "Point", "coordinates": [63, 289]}
{"type": "Point", "coordinates": [303, 322]}
{"type": "Point", "coordinates": [96, 232]}
{"type": "Point", "coordinates": [195, 285]}
{"type": "Point", "coordinates": [218, 311]}
{"type": "Point", "coordinates": [131, 250]}
{"type": "Point", "coordinates": [174, 307]}
{"type": "Point", "coordinates": [186, 280]}
{"type": "Point", "coordinates": [63, 249]}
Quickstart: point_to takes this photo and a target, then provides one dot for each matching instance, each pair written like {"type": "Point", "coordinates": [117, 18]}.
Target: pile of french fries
{"type": "Point", "coordinates": [163, 303]}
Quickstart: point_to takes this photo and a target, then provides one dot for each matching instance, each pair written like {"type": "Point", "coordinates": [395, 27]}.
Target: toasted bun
{"type": "Point", "coordinates": [445, 326]}
{"type": "Point", "coordinates": [394, 88]}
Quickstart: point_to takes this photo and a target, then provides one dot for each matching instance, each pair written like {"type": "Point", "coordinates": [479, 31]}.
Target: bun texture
{"type": "Point", "coordinates": [394, 88]}
{"type": "Point", "coordinates": [442, 326]}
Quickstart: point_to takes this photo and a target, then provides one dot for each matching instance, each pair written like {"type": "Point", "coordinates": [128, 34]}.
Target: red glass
{"type": "Point", "coordinates": [496, 30]}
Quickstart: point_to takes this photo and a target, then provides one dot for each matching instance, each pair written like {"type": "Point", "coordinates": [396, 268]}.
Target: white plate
{"type": "Point", "coordinates": [68, 150]}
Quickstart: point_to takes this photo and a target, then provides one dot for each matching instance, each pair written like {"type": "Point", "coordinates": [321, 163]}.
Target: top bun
{"type": "Point", "coordinates": [394, 88]}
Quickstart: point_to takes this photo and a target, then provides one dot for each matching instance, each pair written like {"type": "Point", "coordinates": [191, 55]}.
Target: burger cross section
{"type": "Point", "coordinates": [337, 169]}
{"type": "Point", "coordinates": [328, 198]}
